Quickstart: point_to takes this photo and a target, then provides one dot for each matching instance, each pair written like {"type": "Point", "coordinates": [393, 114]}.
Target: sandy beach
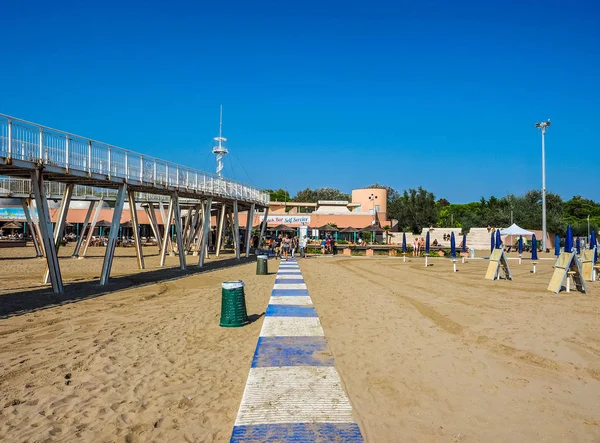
{"type": "Point", "coordinates": [424, 354]}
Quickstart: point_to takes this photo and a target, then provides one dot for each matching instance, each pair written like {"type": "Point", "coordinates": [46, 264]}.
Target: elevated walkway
{"type": "Point", "coordinates": [57, 163]}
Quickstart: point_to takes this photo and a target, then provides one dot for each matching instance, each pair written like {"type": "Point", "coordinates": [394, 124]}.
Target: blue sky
{"type": "Point", "coordinates": [437, 94]}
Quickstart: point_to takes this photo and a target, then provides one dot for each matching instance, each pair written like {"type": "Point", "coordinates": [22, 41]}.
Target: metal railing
{"type": "Point", "coordinates": [23, 140]}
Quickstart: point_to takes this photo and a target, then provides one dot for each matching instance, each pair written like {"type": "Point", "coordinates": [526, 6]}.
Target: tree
{"type": "Point", "coordinates": [280, 195]}
{"type": "Point", "coordinates": [314, 195]}
{"type": "Point", "coordinates": [416, 209]}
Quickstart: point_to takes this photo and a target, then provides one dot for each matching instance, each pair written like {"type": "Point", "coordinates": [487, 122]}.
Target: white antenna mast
{"type": "Point", "coordinates": [220, 150]}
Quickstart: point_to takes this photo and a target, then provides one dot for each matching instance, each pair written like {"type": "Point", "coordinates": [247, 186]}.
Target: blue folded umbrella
{"type": "Point", "coordinates": [578, 245]}
{"type": "Point", "coordinates": [569, 239]}
{"type": "Point", "coordinates": [557, 245]}
{"type": "Point", "coordinates": [452, 245]}
{"type": "Point", "coordinates": [464, 248]}
{"type": "Point", "coordinates": [492, 243]}
{"type": "Point", "coordinates": [404, 242]}
{"type": "Point", "coordinates": [498, 239]}
{"type": "Point", "coordinates": [427, 243]}
{"type": "Point", "coordinates": [533, 248]}
{"type": "Point", "coordinates": [520, 244]}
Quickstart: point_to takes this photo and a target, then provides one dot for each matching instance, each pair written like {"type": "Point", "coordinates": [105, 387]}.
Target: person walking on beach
{"type": "Point", "coordinates": [294, 244]}
{"type": "Point", "coordinates": [303, 243]}
{"type": "Point", "coordinates": [415, 246]}
{"type": "Point", "coordinates": [286, 246]}
{"type": "Point", "coordinates": [332, 245]}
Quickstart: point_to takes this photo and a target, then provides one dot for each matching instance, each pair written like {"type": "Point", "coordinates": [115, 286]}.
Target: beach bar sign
{"type": "Point", "coordinates": [301, 220]}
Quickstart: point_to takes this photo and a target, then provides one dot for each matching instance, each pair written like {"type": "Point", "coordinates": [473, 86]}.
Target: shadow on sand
{"type": "Point", "coordinates": [29, 300]}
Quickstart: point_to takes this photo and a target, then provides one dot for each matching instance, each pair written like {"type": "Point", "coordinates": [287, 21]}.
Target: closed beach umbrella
{"type": "Point", "coordinates": [557, 245]}
{"type": "Point", "coordinates": [520, 244]}
{"type": "Point", "coordinates": [498, 239]}
{"type": "Point", "coordinates": [452, 245]}
{"type": "Point", "coordinates": [464, 248]}
{"type": "Point", "coordinates": [404, 242]}
{"type": "Point", "coordinates": [578, 245]}
{"type": "Point", "coordinates": [533, 248]}
{"type": "Point", "coordinates": [427, 243]}
{"type": "Point", "coordinates": [492, 243]}
{"type": "Point", "coordinates": [593, 246]}
{"type": "Point", "coordinates": [569, 239]}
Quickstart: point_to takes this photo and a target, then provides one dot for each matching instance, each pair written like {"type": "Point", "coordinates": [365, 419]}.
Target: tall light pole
{"type": "Point", "coordinates": [543, 126]}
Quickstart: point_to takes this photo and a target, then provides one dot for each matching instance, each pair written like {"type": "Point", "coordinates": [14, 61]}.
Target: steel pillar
{"type": "Point", "coordinates": [236, 229]}
{"type": "Point", "coordinates": [59, 229]}
{"type": "Point", "coordinates": [112, 236]}
{"type": "Point", "coordinates": [32, 227]}
{"type": "Point", "coordinates": [249, 228]}
{"type": "Point", "coordinates": [263, 227]}
{"type": "Point", "coordinates": [86, 222]}
{"type": "Point", "coordinates": [37, 183]}
{"type": "Point", "coordinates": [221, 221]}
{"type": "Point", "coordinates": [154, 224]}
{"type": "Point", "coordinates": [136, 230]}
{"type": "Point", "coordinates": [178, 231]}
{"type": "Point", "coordinates": [90, 233]}
{"type": "Point", "coordinates": [205, 230]}
{"type": "Point", "coordinates": [167, 224]}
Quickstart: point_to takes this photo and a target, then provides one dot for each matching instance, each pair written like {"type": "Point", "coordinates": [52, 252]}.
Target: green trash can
{"type": "Point", "coordinates": [233, 305]}
{"type": "Point", "coordinates": [262, 267]}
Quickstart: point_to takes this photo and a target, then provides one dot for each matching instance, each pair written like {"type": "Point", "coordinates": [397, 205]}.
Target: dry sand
{"type": "Point", "coordinates": [143, 364]}
{"type": "Point", "coordinates": [424, 354]}
{"type": "Point", "coordinates": [430, 355]}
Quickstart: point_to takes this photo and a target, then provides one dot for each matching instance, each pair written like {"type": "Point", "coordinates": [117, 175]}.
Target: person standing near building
{"type": "Point", "coordinates": [303, 243]}
{"type": "Point", "coordinates": [286, 246]}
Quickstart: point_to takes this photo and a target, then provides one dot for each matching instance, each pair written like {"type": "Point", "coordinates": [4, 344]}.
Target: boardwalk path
{"type": "Point", "coordinates": [293, 392]}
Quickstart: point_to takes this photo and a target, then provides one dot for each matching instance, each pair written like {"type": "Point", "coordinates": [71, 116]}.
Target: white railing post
{"type": "Point", "coordinates": [89, 156]}
{"type": "Point", "coordinates": [154, 178]}
{"type": "Point", "coordinates": [41, 144]}
{"type": "Point", "coordinates": [167, 174]}
{"type": "Point", "coordinates": [126, 165]}
{"type": "Point", "coordinates": [67, 153]}
{"type": "Point", "coordinates": [9, 138]}
{"type": "Point", "coordinates": [187, 178]}
{"type": "Point", "coordinates": [141, 168]}
{"type": "Point", "coordinates": [109, 164]}
{"type": "Point", "coordinates": [177, 180]}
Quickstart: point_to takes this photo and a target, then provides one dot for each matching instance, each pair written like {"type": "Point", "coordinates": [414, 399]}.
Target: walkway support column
{"type": "Point", "coordinates": [249, 228]}
{"type": "Point", "coordinates": [37, 182]}
{"type": "Point", "coordinates": [263, 227]}
{"type": "Point", "coordinates": [32, 227]}
{"type": "Point", "coordinates": [220, 227]}
{"type": "Point", "coordinates": [112, 236]}
{"type": "Point", "coordinates": [86, 222]}
{"type": "Point", "coordinates": [90, 232]}
{"type": "Point", "coordinates": [154, 224]}
{"type": "Point", "coordinates": [167, 224]}
{"type": "Point", "coordinates": [136, 230]}
{"type": "Point", "coordinates": [205, 230]}
{"type": "Point", "coordinates": [59, 229]}
{"type": "Point", "coordinates": [178, 230]}
{"type": "Point", "coordinates": [236, 229]}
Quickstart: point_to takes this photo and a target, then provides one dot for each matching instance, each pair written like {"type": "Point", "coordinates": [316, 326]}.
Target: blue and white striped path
{"type": "Point", "coordinates": [293, 393]}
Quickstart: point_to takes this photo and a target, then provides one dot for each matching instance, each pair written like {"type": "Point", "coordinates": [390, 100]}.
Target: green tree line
{"type": "Point", "coordinates": [418, 208]}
